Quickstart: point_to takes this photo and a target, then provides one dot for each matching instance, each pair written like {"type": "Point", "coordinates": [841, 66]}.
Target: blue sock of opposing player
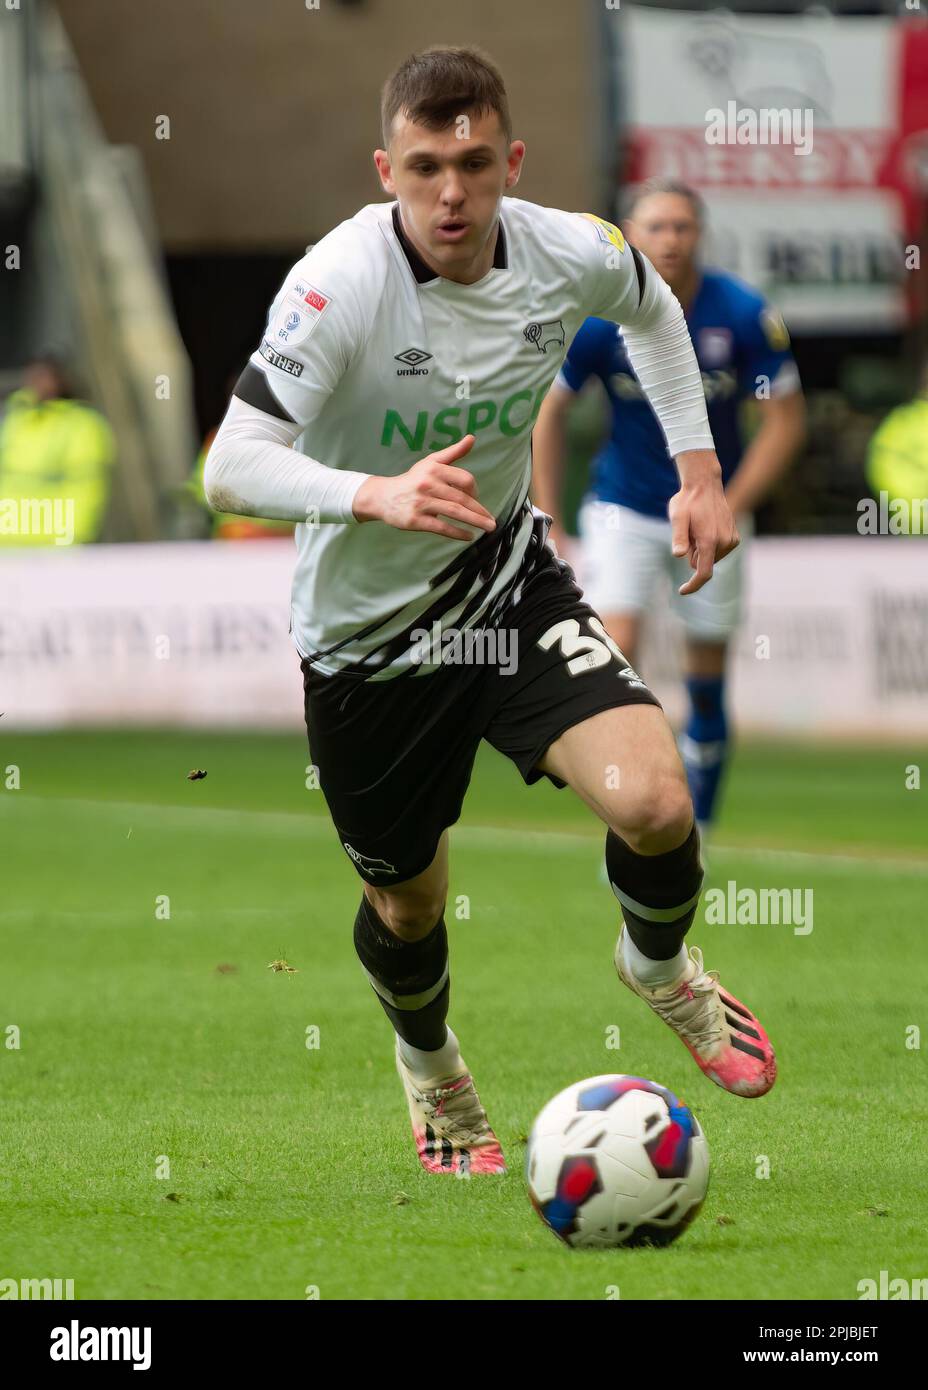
{"type": "Point", "coordinates": [704, 744]}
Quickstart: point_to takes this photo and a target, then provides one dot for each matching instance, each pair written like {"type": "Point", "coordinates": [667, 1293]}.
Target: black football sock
{"type": "Point", "coordinates": [410, 978]}
{"type": "Point", "coordinates": [658, 893]}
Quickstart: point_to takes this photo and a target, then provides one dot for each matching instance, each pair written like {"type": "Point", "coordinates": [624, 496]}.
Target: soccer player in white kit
{"type": "Point", "coordinates": [409, 352]}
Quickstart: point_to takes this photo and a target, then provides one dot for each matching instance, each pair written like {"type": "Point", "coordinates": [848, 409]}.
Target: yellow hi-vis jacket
{"type": "Point", "coordinates": [897, 460]}
{"type": "Point", "coordinates": [55, 460]}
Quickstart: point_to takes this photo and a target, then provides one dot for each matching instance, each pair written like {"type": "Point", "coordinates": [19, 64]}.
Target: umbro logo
{"type": "Point", "coordinates": [412, 359]}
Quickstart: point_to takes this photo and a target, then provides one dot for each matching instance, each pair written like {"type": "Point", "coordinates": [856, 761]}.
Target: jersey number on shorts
{"type": "Point", "coordinates": [584, 653]}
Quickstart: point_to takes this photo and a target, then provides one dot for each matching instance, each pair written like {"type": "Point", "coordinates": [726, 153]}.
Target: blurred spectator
{"type": "Point", "coordinates": [56, 453]}
{"type": "Point", "coordinates": [897, 461]}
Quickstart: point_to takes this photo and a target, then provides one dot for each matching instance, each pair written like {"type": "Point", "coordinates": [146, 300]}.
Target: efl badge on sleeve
{"type": "Point", "coordinates": [300, 310]}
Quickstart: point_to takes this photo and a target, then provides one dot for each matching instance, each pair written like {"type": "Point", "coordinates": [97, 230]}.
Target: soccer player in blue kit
{"type": "Point", "coordinates": [742, 347]}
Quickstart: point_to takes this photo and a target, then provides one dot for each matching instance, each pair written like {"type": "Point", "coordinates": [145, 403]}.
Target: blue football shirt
{"type": "Point", "coordinates": [740, 343]}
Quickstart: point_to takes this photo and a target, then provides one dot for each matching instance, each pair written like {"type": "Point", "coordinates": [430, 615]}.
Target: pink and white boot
{"type": "Point", "coordinates": [449, 1124]}
{"type": "Point", "coordinates": [724, 1038]}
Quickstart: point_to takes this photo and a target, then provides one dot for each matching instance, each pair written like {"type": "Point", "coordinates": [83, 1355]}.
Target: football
{"type": "Point", "coordinates": [617, 1160]}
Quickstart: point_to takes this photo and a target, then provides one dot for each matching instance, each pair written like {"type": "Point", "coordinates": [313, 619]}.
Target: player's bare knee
{"type": "Point", "coordinates": [410, 916]}
{"type": "Point", "coordinates": [659, 818]}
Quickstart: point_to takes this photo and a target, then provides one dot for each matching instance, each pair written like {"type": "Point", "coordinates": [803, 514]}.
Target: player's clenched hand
{"type": "Point", "coordinates": [702, 525]}
{"type": "Point", "coordinates": [429, 497]}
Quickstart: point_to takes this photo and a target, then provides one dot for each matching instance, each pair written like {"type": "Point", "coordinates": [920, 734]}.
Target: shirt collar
{"type": "Point", "coordinates": [424, 273]}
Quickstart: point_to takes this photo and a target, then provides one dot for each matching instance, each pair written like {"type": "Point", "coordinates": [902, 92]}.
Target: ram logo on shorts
{"type": "Point", "coordinates": [370, 866]}
{"type": "Point", "coordinates": [541, 335]}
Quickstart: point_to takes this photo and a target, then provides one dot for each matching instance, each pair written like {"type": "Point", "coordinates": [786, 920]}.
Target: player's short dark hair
{"type": "Point", "coordinates": [640, 191]}
{"type": "Point", "coordinates": [436, 86]}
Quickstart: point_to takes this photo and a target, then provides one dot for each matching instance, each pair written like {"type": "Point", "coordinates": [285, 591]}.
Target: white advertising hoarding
{"type": "Point", "coordinates": [834, 642]}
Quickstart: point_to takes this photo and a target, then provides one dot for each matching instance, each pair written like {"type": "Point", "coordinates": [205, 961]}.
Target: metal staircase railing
{"type": "Point", "coordinates": [97, 284]}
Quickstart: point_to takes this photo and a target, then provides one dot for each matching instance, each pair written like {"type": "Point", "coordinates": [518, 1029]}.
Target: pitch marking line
{"type": "Point", "coordinates": [223, 819]}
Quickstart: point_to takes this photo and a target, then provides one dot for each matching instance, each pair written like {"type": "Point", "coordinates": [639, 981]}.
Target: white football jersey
{"type": "Point", "coordinates": [383, 362]}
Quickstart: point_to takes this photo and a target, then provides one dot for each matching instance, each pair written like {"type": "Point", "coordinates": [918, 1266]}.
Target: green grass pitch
{"type": "Point", "coordinates": [291, 1168]}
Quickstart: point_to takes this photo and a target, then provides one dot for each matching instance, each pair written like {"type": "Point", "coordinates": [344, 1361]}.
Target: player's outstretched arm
{"type": "Point", "coordinates": [625, 287]}
{"type": "Point", "coordinates": [771, 452]}
{"type": "Point", "coordinates": [253, 470]}
{"type": "Point", "coordinates": [661, 351]}
{"type": "Point", "coordinates": [702, 525]}
{"type": "Point", "coordinates": [427, 497]}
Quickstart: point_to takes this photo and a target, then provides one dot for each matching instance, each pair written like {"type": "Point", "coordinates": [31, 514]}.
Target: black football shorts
{"type": "Point", "coordinates": [395, 756]}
